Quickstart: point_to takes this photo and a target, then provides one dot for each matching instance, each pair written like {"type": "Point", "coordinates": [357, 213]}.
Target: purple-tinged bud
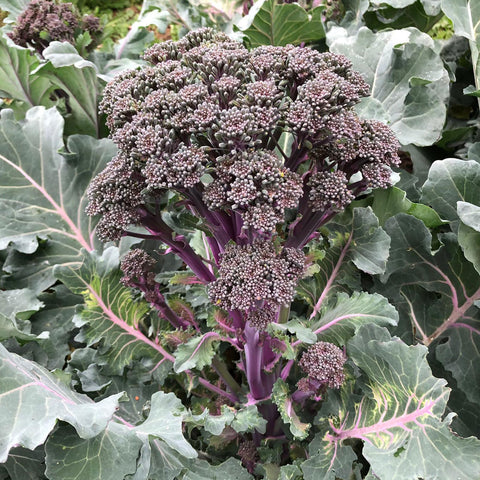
{"type": "Point", "coordinates": [323, 363]}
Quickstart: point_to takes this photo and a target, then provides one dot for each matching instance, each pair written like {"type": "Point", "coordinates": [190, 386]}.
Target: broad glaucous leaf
{"type": "Point", "coordinates": [439, 293]}
{"type": "Point", "coordinates": [110, 313]}
{"type": "Point", "coordinates": [271, 23]}
{"type": "Point", "coordinates": [16, 307]}
{"type": "Point", "coordinates": [465, 15]}
{"type": "Point", "coordinates": [110, 455]}
{"type": "Point", "coordinates": [281, 398]}
{"type": "Point", "coordinates": [55, 318]}
{"type": "Point", "coordinates": [370, 244]}
{"type": "Point", "coordinates": [165, 422]}
{"type": "Point", "coordinates": [231, 469]}
{"type": "Point", "coordinates": [116, 449]}
{"type": "Point", "coordinates": [43, 195]}
{"type": "Point", "coordinates": [32, 400]}
{"type": "Point", "coordinates": [409, 84]}
{"type": "Point", "coordinates": [400, 419]}
{"type": "Point", "coordinates": [13, 7]}
{"type": "Point", "coordinates": [25, 464]}
{"type": "Point", "coordinates": [453, 190]}
{"type": "Point", "coordinates": [77, 77]}
{"type": "Point", "coordinates": [328, 462]}
{"type": "Point", "coordinates": [17, 81]}
{"type": "Point", "coordinates": [432, 7]}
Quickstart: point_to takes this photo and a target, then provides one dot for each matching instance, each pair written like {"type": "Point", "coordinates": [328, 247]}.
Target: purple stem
{"type": "Point", "coordinates": [254, 363]}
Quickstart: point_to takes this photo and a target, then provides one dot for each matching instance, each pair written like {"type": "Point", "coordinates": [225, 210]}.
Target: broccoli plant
{"type": "Point", "coordinates": [44, 21]}
{"type": "Point", "coordinates": [259, 149]}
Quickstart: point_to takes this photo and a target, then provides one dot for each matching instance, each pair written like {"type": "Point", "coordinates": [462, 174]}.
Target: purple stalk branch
{"type": "Point", "coordinates": [231, 396]}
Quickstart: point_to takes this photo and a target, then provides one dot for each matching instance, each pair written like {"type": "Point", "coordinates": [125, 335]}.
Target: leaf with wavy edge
{"type": "Point", "coordinates": [43, 194]}
{"type": "Point", "coordinates": [16, 306]}
{"type": "Point", "coordinates": [116, 449]}
{"type": "Point", "coordinates": [196, 353]}
{"type": "Point", "coordinates": [409, 84]}
{"type": "Point", "coordinates": [110, 312]}
{"type": "Point", "coordinates": [453, 189]}
{"type": "Point", "coordinates": [32, 400]}
{"type": "Point", "coordinates": [270, 23]}
{"type": "Point", "coordinates": [400, 418]}
{"type": "Point", "coordinates": [339, 322]}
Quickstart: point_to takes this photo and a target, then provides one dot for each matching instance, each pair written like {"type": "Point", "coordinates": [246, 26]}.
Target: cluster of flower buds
{"type": "Point", "coordinates": [253, 274]}
{"type": "Point", "coordinates": [323, 363]}
{"type": "Point", "coordinates": [253, 133]}
{"type": "Point", "coordinates": [44, 21]}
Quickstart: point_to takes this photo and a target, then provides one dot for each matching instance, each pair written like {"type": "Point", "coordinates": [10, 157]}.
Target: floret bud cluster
{"type": "Point", "coordinates": [254, 274]}
{"type": "Point", "coordinates": [209, 115]}
{"type": "Point", "coordinates": [323, 363]}
{"type": "Point", "coordinates": [256, 184]}
{"type": "Point", "coordinates": [137, 267]}
{"type": "Point", "coordinates": [44, 21]}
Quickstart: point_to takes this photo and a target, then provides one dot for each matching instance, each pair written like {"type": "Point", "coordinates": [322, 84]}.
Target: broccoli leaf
{"type": "Point", "coordinates": [271, 23]}
{"type": "Point", "coordinates": [196, 353]}
{"type": "Point", "coordinates": [32, 400]}
{"type": "Point", "coordinates": [400, 418]}
{"type": "Point", "coordinates": [42, 195]}
{"type": "Point", "coordinates": [109, 312]}
{"type": "Point", "coordinates": [409, 82]}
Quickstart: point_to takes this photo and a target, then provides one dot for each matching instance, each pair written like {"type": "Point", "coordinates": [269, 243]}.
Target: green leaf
{"type": "Point", "coordinates": [123, 449]}
{"type": "Point", "coordinates": [26, 464]}
{"type": "Point", "coordinates": [281, 398]}
{"type": "Point", "coordinates": [110, 312]}
{"type": "Point", "coordinates": [469, 214]}
{"type": "Point", "coordinates": [165, 422]}
{"type": "Point", "coordinates": [388, 202]}
{"type": "Point", "coordinates": [110, 455]}
{"type": "Point", "coordinates": [459, 355]}
{"type": "Point", "coordinates": [400, 418]}
{"type": "Point", "coordinates": [196, 353]}
{"type": "Point", "coordinates": [17, 81]}
{"type": "Point", "coordinates": [451, 181]}
{"type": "Point", "coordinates": [248, 419]}
{"type": "Point", "coordinates": [432, 7]}
{"type": "Point", "coordinates": [320, 466]}
{"type": "Point", "coordinates": [42, 194]}
{"type": "Point", "coordinates": [16, 306]}
{"type": "Point", "coordinates": [409, 84]}
{"type": "Point", "coordinates": [271, 23]}
{"type": "Point", "coordinates": [14, 7]}
{"type": "Point", "coordinates": [77, 77]}
{"type": "Point", "coordinates": [453, 189]}
{"type": "Point", "coordinates": [297, 327]}
{"type": "Point", "coordinates": [339, 322]}
{"type": "Point", "coordinates": [231, 469]}
{"type": "Point", "coordinates": [32, 400]}
{"type": "Point", "coordinates": [370, 244]}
